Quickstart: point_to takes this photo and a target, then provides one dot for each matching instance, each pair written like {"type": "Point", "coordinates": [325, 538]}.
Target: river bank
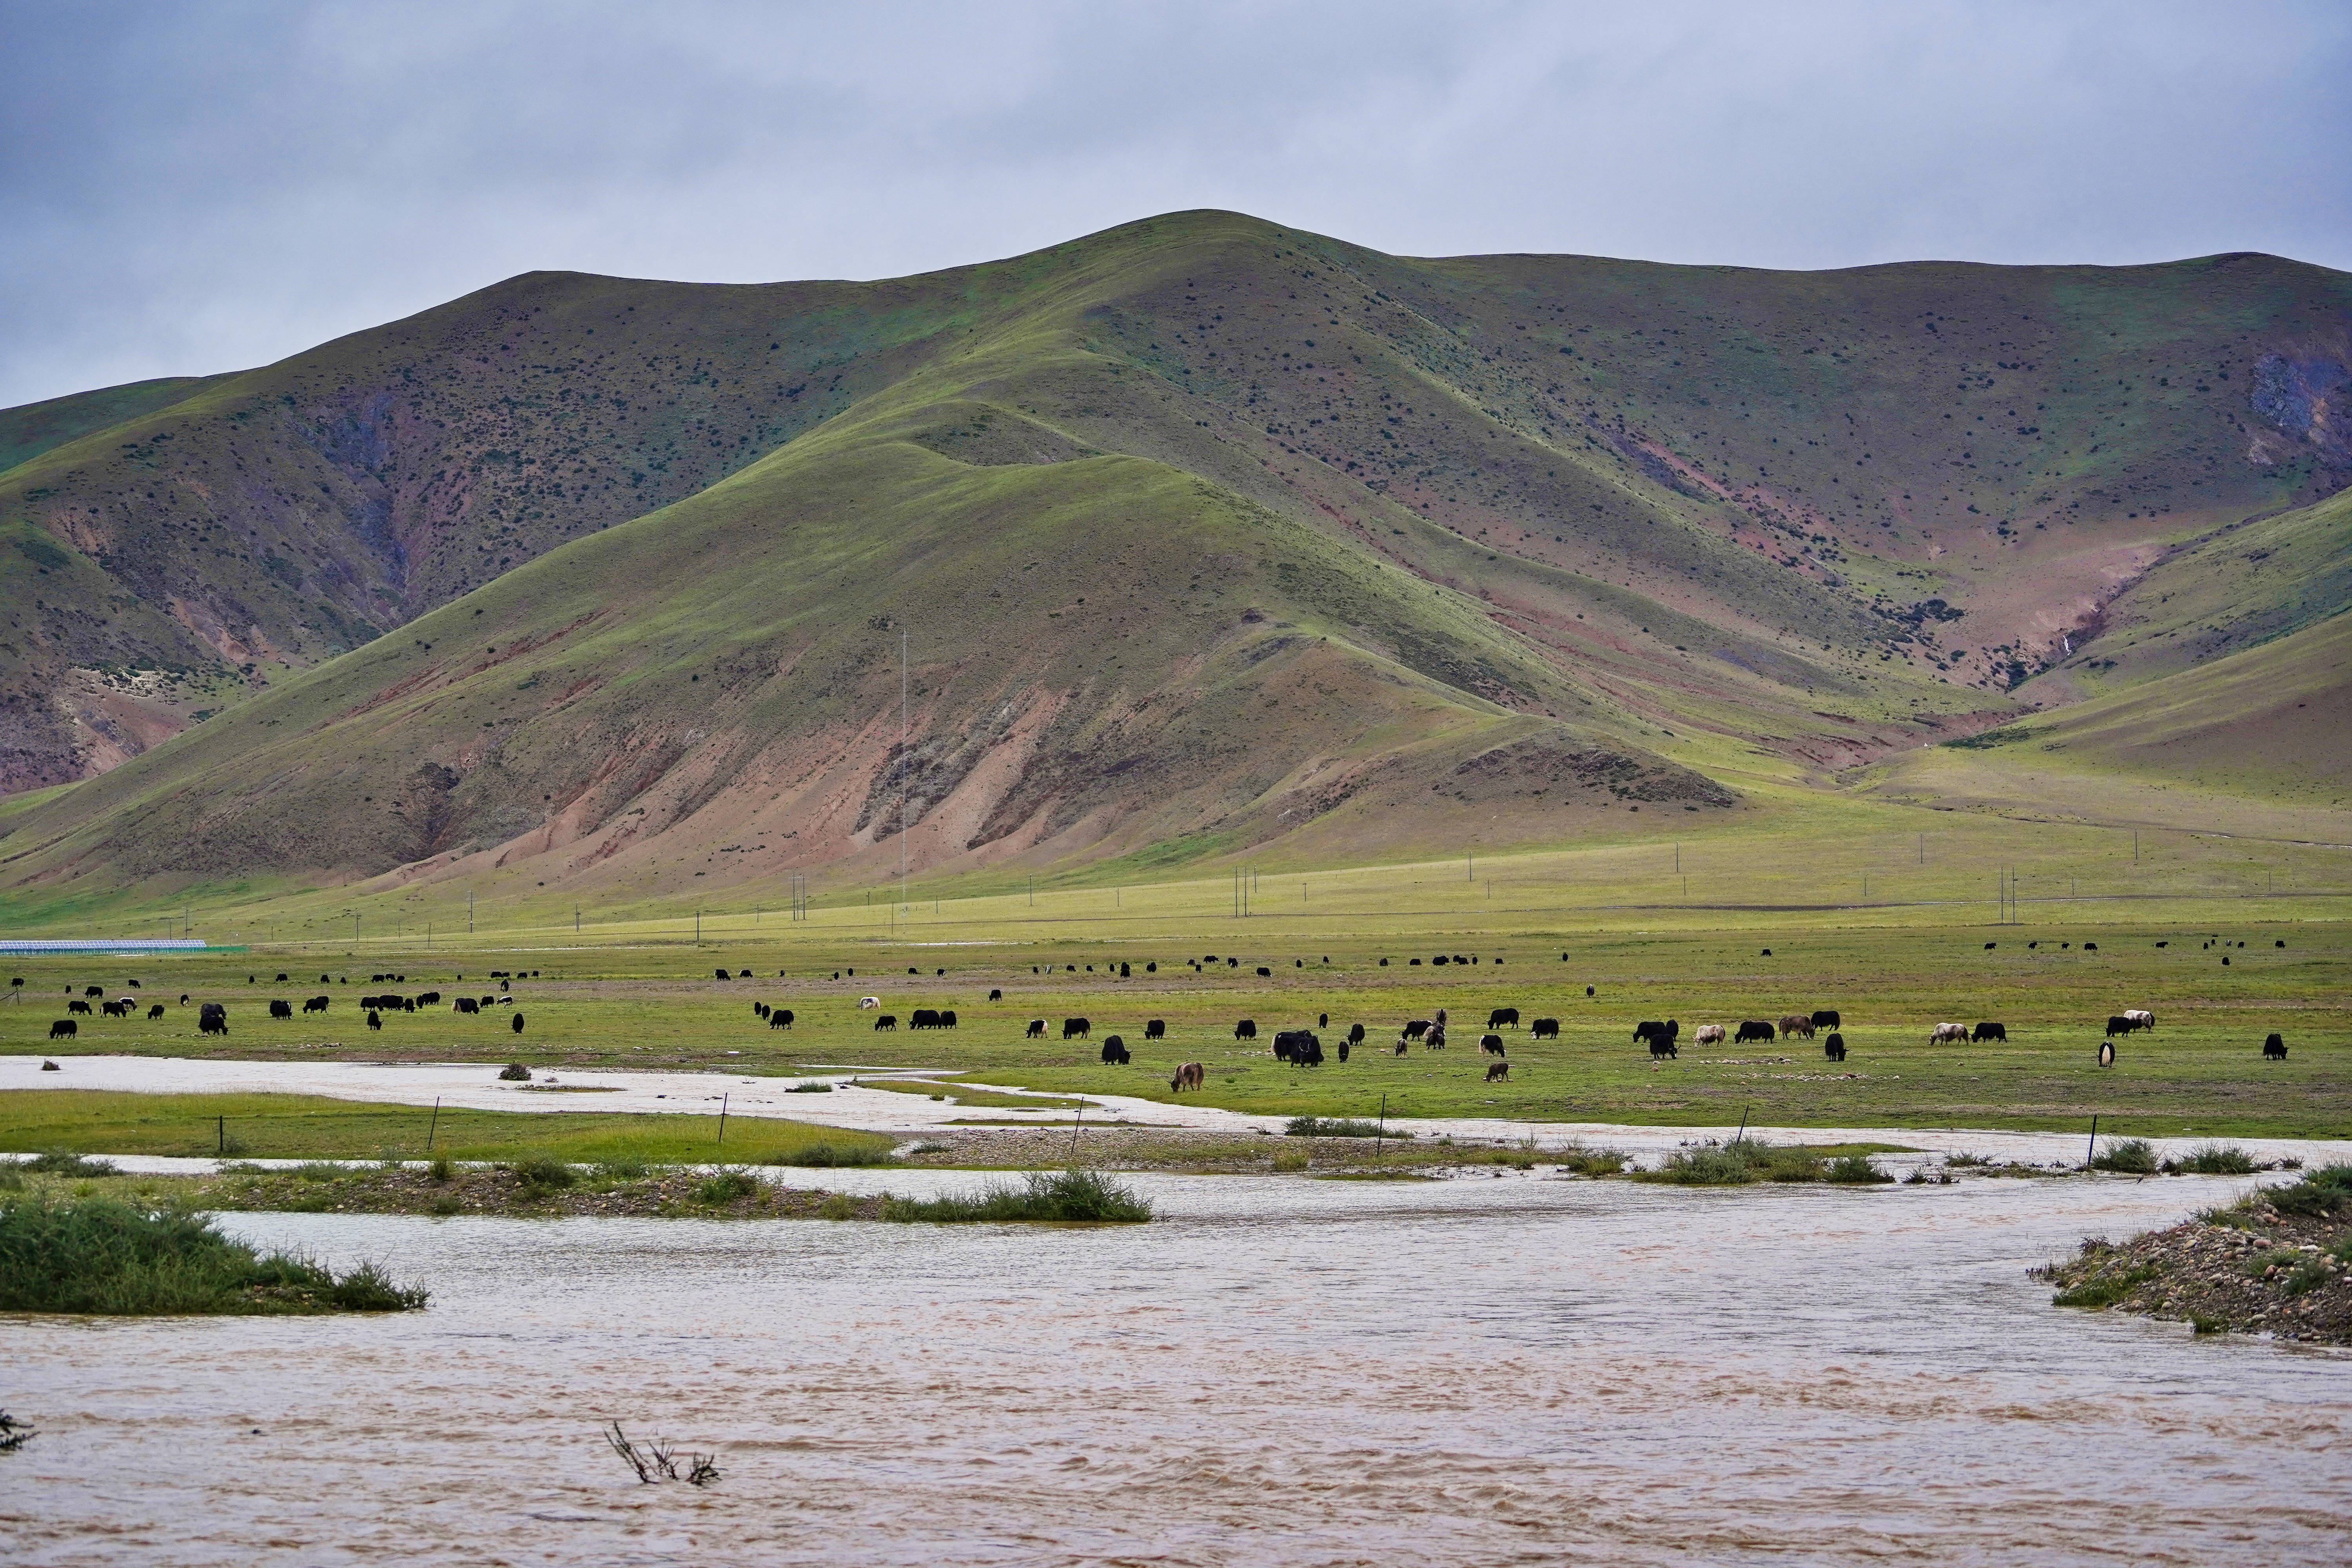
{"type": "Point", "coordinates": [998, 1136]}
{"type": "Point", "coordinates": [2276, 1262]}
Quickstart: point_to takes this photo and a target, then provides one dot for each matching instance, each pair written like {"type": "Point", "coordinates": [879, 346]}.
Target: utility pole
{"type": "Point", "coordinates": [469, 911]}
{"type": "Point", "coordinates": [697, 928]}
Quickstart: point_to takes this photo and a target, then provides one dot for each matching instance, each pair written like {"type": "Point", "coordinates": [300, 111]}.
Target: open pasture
{"type": "Point", "coordinates": [660, 1004]}
{"type": "Point", "coordinates": [295, 1126]}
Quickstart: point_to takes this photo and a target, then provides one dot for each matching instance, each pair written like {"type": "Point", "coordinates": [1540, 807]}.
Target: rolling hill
{"type": "Point", "coordinates": [1201, 533]}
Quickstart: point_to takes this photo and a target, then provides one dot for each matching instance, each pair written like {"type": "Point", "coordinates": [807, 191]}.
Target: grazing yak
{"type": "Point", "coordinates": [1825, 1018]}
{"type": "Point", "coordinates": [1653, 1030]}
{"type": "Point", "coordinates": [1709, 1034]}
{"type": "Point", "coordinates": [1192, 1075]}
{"type": "Point", "coordinates": [212, 1018]}
{"type": "Point", "coordinates": [78, 1007]}
{"type": "Point", "coordinates": [1545, 1028]}
{"type": "Point", "coordinates": [1417, 1028]}
{"type": "Point", "coordinates": [64, 1029]}
{"type": "Point", "coordinates": [1300, 1048]}
{"type": "Point", "coordinates": [923, 1018]}
{"type": "Point", "coordinates": [115, 1009]}
{"type": "Point", "coordinates": [1949, 1034]}
{"type": "Point", "coordinates": [462, 1005]}
{"type": "Point", "coordinates": [885, 1021]}
{"type": "Point", "coordinates": [281, 1009]}
{"type": "Point", "coordinates": [2107, 1053]}
{"type": "Point", "coordinates": [1834, 1046]}
{"type": "Point", "coordinates": [1343, 1052]}
{"type": "Point", "coordinates": [1246, 1029]}
{"type": "Point", "coordinates": [2141, 1018]}
{"type": "Point", "coordinates": [866, 1001]}
{"type": "Point", "coordinates": [2274, 1050]}
{"type": "Point", "coordinates": [1401, 1044]}
{"type": "Point", "coordinates": [1497, 1070]}
{"type": "Point", "coordinates": [1077, 1028]}
{"type": "Point", "coordinates": [1502, 1015]}
{"type": "Point", "coordinates": [1155, 1028]}
{"type": "Point", "coordinates": [1114, 1052]}
{"type": "Point", "coordinates": [375, 1019]}
{"type": "Point", "coordinates": [1663, 1046]}
{"type": "Point", "coordinates": [1984, 1032]}
{"type": "Point", "coordinates": [1796, 1024]}
{"type": "Point", "coordinates": [155, 1012]}
{"type": "Point", "coordinates": [316, 1004]}
{"type": "Point", "coordinates": [1490, 1044]}
{"type": "Point", "coordinates": [1036, 1030]}
{"type": "Point", "coordinates": [995, 994]}
{"type": "Point", "coordinates": [1754, 1029]}
{"type": "Point", "coordinates": [780, 1017]}
{"type": "Point", "coordinates": [1435, 1039]}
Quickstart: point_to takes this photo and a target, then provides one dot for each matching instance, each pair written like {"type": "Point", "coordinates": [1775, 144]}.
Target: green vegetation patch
{"type": "Point", "coordinates": [1337, 1127]}
{"type": "Point", "coordinates": [1986, 740]}
{"type": "Point", "coordinates": [1069, 1197]}
{"type": "Point", "coordinates": [1746, 1160]}
{"type": "Point", "coordinates": [2104, 1288]}
{"type": "Point", "coordinates": [2130, 1156]}
{"type": "Point", "coordinates": [103, 1256]}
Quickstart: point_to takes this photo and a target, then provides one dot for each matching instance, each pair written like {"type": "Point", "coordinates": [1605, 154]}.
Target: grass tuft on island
{"type": "Point", "coordinates": [103, 1256]}
{"type": "Point", "coordinates": [2276, 1262]}
{"type": "Point", "coordinates": [1746, 1160]}
{"type": "Point", "coordinates": [1073, 1196]}
{"type": "Point", "coordinates": [1340, 1127]}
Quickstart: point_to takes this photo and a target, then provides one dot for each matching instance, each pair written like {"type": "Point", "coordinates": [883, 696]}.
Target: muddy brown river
{"type": "Point", "coordinates": [1278, 1371]}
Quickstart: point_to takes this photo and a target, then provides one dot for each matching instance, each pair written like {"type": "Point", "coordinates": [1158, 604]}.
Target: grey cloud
{"type": "Point", "coordinates": [196, 187]}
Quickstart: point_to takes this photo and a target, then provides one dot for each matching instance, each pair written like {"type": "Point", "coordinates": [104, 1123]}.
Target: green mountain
{"type": "Point", "coordinates": [1201, 533]}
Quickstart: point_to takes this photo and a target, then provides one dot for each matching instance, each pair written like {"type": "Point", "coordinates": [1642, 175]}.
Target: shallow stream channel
{"type": "Point", "coordinates": [1512, 1368]}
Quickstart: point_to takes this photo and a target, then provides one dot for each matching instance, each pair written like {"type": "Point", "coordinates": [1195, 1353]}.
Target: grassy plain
{"type": "Point", "coordinates": [1542, 928]}
{"type": "Point", "coordinates": [294, 1126]}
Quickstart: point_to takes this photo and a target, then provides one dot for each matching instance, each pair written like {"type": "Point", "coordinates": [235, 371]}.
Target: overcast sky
{"type": "Point", "coordinates": [197, 187]}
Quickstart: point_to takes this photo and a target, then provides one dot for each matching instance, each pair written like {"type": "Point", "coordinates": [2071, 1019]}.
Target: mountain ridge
{"type": "Point", "coordinates": [1680, 515]}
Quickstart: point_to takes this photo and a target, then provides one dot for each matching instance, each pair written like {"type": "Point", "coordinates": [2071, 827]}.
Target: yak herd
{"type": "Point", "coordinates": [212, 1017]}
{"type": "Point", "coordinates": [1298, 1048]}
{"type": "Point", "coordinates": [1303, 1048]}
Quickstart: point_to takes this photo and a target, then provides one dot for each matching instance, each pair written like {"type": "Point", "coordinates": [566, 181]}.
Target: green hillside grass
{"type": "Point", "coordinates": [1207, 535]}
{"type": "Point", "coordinates": [2251, 743]}
{"type": "Point", "coordinates": [2237, 588]}
{"type": "Point", "coordinates": [33, 428]}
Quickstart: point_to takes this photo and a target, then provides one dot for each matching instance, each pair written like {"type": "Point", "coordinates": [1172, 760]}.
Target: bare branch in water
{"type": "Point", "coordinates": [658, 1461]}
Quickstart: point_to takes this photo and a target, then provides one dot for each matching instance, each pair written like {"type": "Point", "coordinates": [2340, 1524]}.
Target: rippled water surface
{"type": "Point", "coordinates": [1279, 1370]}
